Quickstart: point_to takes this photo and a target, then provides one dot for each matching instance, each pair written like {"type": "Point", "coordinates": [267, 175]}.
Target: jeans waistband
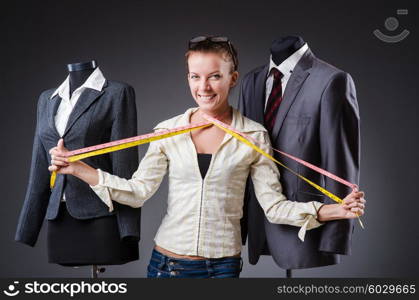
{"type": "Point", "coordinates": [162, 258]}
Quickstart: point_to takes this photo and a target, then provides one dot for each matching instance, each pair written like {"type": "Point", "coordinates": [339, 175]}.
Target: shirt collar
{"type": "Point", "coordinates": [238, 122]}
{"type": "Point", "coordinates": [95, 81]}
{"type": "Point", "coordinates": [288, 65]}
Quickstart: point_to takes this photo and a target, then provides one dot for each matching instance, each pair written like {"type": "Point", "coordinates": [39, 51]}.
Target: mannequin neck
{"type": "Point", "coordinates": [284, 47]}
{"type": "Point", "coordinates": [79, 72]}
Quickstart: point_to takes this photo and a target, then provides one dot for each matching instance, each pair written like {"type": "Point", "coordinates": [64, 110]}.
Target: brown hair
{"type": "Point", "coordinates": [223, 49]}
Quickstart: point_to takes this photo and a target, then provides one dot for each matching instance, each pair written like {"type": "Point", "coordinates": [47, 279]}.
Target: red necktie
{"type": "Point", "coordinates": [274, 100]}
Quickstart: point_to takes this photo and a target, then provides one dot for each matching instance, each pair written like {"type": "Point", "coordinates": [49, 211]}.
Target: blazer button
{"type": "Point", "coordinates": [173, 273]}
{"type": "Point", "coordinates": [171, 263]}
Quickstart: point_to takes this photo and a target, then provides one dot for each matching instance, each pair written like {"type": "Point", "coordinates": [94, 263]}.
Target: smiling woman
{"type": "Point", "coordinates": [200, 235]}
{"type": "Point", "coordinates": [210, 81]}
{"type": "Point", "coordinates": [212, 72]}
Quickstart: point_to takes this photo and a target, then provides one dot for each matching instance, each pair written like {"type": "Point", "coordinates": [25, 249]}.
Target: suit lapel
{"type": "Point", "coordinates": [53, 105]}
{"type": "Point", "coordinates": [296, 81]}
{"type": "Point", "coordinates": [257, 106]}
{"type": "Point", "coordinates": [87, 97]}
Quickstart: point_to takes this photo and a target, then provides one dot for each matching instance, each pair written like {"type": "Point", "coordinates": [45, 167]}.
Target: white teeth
{"type": "Point", "coordinates": [206, 97]}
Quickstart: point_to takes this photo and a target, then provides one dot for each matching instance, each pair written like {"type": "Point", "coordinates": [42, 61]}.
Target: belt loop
{"type": "Point", "coordinates": [210, 270]}
{"type": "Point", "coordinates": [162, 261]}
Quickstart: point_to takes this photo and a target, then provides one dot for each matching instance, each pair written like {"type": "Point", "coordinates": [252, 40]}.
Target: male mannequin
{"type": "Point", "coordinates": [85, 110]}
{"type": "Point", "coordinates": [318, 121]}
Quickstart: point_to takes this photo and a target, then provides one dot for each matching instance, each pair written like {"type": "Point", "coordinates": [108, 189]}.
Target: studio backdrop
{"type": "Point", "coordinates": [143, 43]}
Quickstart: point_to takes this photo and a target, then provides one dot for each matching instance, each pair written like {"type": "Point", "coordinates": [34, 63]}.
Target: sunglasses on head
{"type": "Point", "coordinates": [214, 39]}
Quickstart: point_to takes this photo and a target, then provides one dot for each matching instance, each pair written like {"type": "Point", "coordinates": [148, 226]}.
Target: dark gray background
{"type": "Point", "coordinates": [143, 43]}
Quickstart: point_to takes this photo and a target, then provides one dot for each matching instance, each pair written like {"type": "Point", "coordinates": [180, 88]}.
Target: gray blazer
{"type": "Point", "coordinates": [98, 117]}
{"type": "Point", "coordinates": [317, 121]}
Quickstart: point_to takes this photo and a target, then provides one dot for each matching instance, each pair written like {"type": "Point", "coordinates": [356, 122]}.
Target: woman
{"type": "Point", "coordinates": [200, 233]}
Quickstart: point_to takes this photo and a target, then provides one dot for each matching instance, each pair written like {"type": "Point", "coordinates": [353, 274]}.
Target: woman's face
{"type": "Point", "coordinates": [210, 80]}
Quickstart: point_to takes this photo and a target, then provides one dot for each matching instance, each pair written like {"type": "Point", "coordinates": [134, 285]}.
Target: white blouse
{"type": "Point", "coordinates": [203, 215]}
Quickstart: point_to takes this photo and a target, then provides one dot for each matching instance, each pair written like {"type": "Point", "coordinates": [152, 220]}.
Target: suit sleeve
{"type": "Point", "coordinates": [38, 191]}
{"type": "Point", "coordinates": [241, 105]}
{"type": "Point", "coordinates": [124, 162]}
{"type": "Point", "coordinates": [340, 154]}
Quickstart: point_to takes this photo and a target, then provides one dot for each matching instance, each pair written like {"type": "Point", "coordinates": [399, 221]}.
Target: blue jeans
{"type": "Point", "coordinates": [163, 266]}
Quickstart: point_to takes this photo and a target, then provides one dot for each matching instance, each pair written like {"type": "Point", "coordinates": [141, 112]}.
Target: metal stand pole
{"type": "Point", "coordinates": [96, 270]}
{"type": "Point", "coordinates": [289, 274]}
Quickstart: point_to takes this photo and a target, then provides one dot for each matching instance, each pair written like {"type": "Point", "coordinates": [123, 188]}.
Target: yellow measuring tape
{"type": "Point", "coordinates": [316, 186]}
{"type": "Point", "coordinates": [155, 137]}
{"type": "Point", "coordinates": [242, 139]}
{"type": "Point", "coordinates": [158, 136]}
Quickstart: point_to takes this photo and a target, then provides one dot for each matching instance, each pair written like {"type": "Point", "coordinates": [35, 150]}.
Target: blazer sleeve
{"type": "Point", "coordinates": [268, 190]}
{"type": "Point", "coordinates": [340, 153]}
{"type": "Point", "coordinates": [124, 162]}
{"type": "Point", "coordinates": [38, 190]}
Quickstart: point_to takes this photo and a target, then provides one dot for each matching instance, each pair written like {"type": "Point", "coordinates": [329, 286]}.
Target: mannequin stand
{"type": "Point", "coordinates": [288, 273]}
{"type": "Point", "coordinates": [96, 270]}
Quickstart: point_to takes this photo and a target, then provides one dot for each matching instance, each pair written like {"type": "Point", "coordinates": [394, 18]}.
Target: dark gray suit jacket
{"type": "Point", "coordinates": [98, 117]}
{"type": "Point", "coordinates": [317, 121]}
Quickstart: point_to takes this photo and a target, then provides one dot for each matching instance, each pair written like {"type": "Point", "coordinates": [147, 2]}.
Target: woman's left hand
{"type": "Point", "coordinates": [353, 205]}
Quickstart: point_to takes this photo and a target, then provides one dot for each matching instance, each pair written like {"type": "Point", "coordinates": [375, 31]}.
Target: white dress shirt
{"type": "Point", "coordinates": [203, 215]}
{"type": "Point", "coordinates": [96, 80]}
{"type": "Point", "coordinates": [286, 68]}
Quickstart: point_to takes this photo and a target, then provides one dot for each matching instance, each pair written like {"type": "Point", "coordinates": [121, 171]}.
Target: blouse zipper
{"type": "Point", "coordinates": [200, 211]}
{"type": "Point", "coordinates": [225, 139]}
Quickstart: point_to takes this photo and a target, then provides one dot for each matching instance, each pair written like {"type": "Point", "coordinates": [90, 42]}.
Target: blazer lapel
{"type": "Point", "coordinates": [257, 106]}
{"type": "Point", "coordinates": [296, 81]}
{"type": "Point", "coordinates": [53, 105]}
{"type": "Point", "coordinates": [86, 99]}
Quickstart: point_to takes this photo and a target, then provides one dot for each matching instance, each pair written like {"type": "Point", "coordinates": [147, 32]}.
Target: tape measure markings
{"type": "Point", "coordinates": [82, 153]}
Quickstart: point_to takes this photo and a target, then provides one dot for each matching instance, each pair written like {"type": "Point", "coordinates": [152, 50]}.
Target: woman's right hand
{"type": "Point", "coordinates": [61, 165]}
{"type": "Point", "coordinates": [59, 162]}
